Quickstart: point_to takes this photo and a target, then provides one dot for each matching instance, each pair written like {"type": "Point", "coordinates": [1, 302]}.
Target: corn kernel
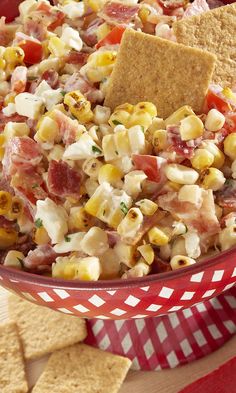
{"type": "Point", "coordinates": [86, 269]}
{"type": "Point", "coordinates": [41, 236]}
{"type": "Point", "coordinates": [2, 140]}
{"type": "Point", "coordinates": [202, 159]}
{"type": "Point", "coordinates": [179, 115]}
{"type": "Point", "coordinates": [5, 202]}
{"type": "Point", "coordinates": [96, 5]}
{"type": "Point", "coordinates": [230, 146]}
{"type": "Point", "coordinates": [141, 118]}
{"type": "Point", "coordinates": [227, 237]}
{"type": "Point", "coordinates": [10, 98]}
{"type": "Point", "coordinates": [14, 259]}
{"type": "Point", "coordinates": [120, 116]}
{"type": "Point", "coordinates": [91, 167]}
{"type": "Point", "coordinates": [227, 92]}
{"type": "Point", "coordinates": [212, 178]}
{"type": "Point", "coordinates": [158, 237]}
{"type": "Point", "coordinates": [180, 261]}
{"type": "Point", "coordinates": [147, 253]}
{"type": "Point", "coordinates": [106, 58]}
{"type": "Point", "coordinates": [16, 208]}
{"type": "Point", "coordinates": [178, 247]}
{"type": "Point", "coordinates": [8, 237]}
{"type": "Point", "coordinates": [173, 186]}
{"type": "Point", "coordinates": [147, 207]}
{"type": "Point", "coordinates": [78, 219]}
{"type": "Point", "coordinates": [79, 106]}
{"type": "Point", "coordinates": [181, 174]}
{"type": "Point", "coordinates": [15, 129]}
{"type": "Point", "coordinates": [2, 63]}
{"type": "Point", "coordinates": [57, 47]}
{"type": "Point", "coordinates": [14, 55]}
{"type": "Point", "coordinates": [219, 157]}
{"type": "Point", "coordinates": [131, 223]}
{"type": "Point", "coordinates": [48, 131]}
{"type": "Point", "coordinates": [219, 211]}
{"type": "Point", "coordinates": [110, 174]}
{"type": "Point", "coordinates": [125, 253]}
{"type": "Point", "coordinates": [144, 14]}
{"type": "Point", "coordinates": [102, 31]}
{"type": "Point", "coordinates": [159, 140]}
{"type": "Point", "coordinates": [125, 107]}
{"type": "Point", "coordinates": [190, 193]}
{"type": "Point", "coordinates": [191, 127]}
{"type": "Point", "coordinates": [214, 120]}
{"type": "Point", "coordinates": [147, 107]}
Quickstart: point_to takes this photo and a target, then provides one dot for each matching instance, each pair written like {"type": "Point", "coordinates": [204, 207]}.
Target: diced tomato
{"type": "Point", "coordinates": [33, 51]}
{"type": "Point", "coordinates": [112, 38]}
{"type": "Point", "coordinates": [152, 166]}
{"type": "Point", "coordinates": [56, 15]}
{"type": "Point", "coordinates": [9, 9]}
{"type": "Point", "coordinates": [215, 101]}
{"type": "Point", "coordinates": [59, 19]}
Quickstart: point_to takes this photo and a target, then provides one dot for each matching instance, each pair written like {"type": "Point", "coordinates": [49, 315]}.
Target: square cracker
{"type": "Point", "coordinates": [152, 69]}
{"type": "Point", "coordinates": [43, 330]}
{"type": "Point", "coordinates": [12, 372]}
{"type": "Point", "coordinates": [83, 369]}
{"type": "Point", "coordinates": [214, 31]}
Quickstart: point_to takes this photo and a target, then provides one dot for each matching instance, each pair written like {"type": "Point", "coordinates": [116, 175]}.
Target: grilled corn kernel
{"type": "Point", "coordinates": [110, 174]}
{"type": "Point", "coordinates": [8, 237]}
{"type": "Point", "coordinates": [146, 107]}
{"type": "Point", "coordinates": [144, 14]}
{"type": "Point", "coordinates": [131, 223]}
{"type": "Point", "coordinates": [96, 5]}
{"type": "Point", "coordinates": [48, 131]}
{"type": "Point", "coordinates": [5, 202]}
{"type": "Point", "coordinates": [191, 127]}
{"type": "Point", "coordinates": [181, 174]}
{"type": "Point", "coordinates": [159, 140]}
{"type": "Point", "coordinates": [180, 261]}
{"type": "Point", "coordinates": [79, 106]}
{"type": "Point", "coordinates": [147, 253]}
{"type": "Point", "coordinates": [158, 237]}
{"type": "Point", "coordinates": [86, 269]}
{"type": "Point", "coordinates": [202, 159]}
{"type": "Point", "coordinates": [14, 259]}
{"type": "Point", "coordinates": [120, 116]}
{"type": "Point", "coordinates": [214, 120]}
{"type": "Point", "coordinates": [147, 207]}
{"type": "Point", "coordinates": [212, 178]}
{"type": "Point", "coordinates": [219, 157]}
{"type": "Point", "coordinates": [102, 31]}
{"type": "Point", "coordinates": [179, 115]}
{"type": "Point", "coordinates": [41, 236]}
{"type": "Point", "coordinates": [140, 118]}
{"type": "Point", "coordinates": [125, 253]}
{"type": "Point", "coordinates": [91, 167]}
{"type": "Point", "coordinates": [78, 219]}
{"type": "Point", "coordinates": [57, 47]}
{"type": "Point", "coordinates": [10, 98]}
{"type": "Point", "coordinates": [101, 114]}
{"type": "Point", "coordinates": [106, 58]}
{"type": "Point", "coordinates": [178, 247]}
{"type": "Point", "coordinates": [230, 146]}
{"type": "Point", "coordinates": [125, 107]}
{"type": "Point", "coordinates": [16, 208]}
{"type": "Point", "coordinates": [14, 55]}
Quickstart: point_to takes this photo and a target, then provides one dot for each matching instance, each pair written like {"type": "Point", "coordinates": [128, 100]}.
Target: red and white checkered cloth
{"type": "Point", "coordinates": [170, 340]}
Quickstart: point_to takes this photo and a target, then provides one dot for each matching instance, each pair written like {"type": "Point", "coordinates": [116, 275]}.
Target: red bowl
{"type": "Point", "coordinates": [153, 295]}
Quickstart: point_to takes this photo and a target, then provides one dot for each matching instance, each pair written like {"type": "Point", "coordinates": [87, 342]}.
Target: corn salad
{"type": "Point", "coordinates": [87, 193]}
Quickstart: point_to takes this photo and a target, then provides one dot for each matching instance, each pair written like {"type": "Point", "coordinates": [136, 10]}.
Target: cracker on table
{"type": "Point", "coordinates": [152, 69]}
{"type": "Point", "coordinates": [43, 330]}
{"type": "Point", "coordinates": [214, 31]}
{"type": "Point", "coordinates": [12, 372]}
{"type": "Point", "coordinates": [83, 369]}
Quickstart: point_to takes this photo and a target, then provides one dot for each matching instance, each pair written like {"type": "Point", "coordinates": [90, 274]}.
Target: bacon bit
{"type": "Point", "coordinates": [182, 148]}
{"type": "Point", "coordinates": [160, 266]}
{"type": "Point", "coordinates": [89, 35]}
{"type": "Point", "coordinates": [118, 13]}
{"type": "Point", "coordinates": [152, 166]}
{"type": "Point", "coordinates": [77, 82]}
{"type": "Point", "coordinates": [63, 181]}
{"type": "Point", "coordinates": [14, 118]}
{"type": "Point", "coordinates": [202, 218]}
{"type": "Point", "coordinates": [172, 4]}
{"type": "Point", "coordinates": [35, 28]}
{"type": "Point", "coordinates": [51, 77]}
{"type": "Point", "coordinates": [42, 255]}
{"type": "Point", "coordinates": [79, 58]}
{"type": "Point", "coordinates": [196, 7]}
{"type": "Point", "coordinates": [226, 197]}
{"type": "Point", "coordinates": [19, 79]}
{"type": "Point", "coordinates": [67, 127]}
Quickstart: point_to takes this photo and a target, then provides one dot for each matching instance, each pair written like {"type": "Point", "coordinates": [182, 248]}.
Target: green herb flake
{"type": "Point", "coordinates": [38, 223]}
{"type": "Point", "coordinates": [35, 185]}
{"type": "Point", "coordinates": [143, 129]}
{"type": "Point", "coordinates": [67, 239]}
{"type": "Point", "coordinates": [124, 208]}
{"type": "Point", "coordinates": [63, 93]}
{"type": "Point", "coordinates": [117, 123]}
{"type": "Point", "coordinates": [96, 150]}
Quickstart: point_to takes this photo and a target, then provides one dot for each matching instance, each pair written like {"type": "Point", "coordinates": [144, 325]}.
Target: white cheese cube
{"type": "Point", "coordinates": [29, 105]}
{"type": "Point", "coordinates": [72, 38]}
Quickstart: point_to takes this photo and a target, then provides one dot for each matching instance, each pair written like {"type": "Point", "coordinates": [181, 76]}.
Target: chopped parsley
{"type": "Point", "coordinates": [63, 93]}
{"type": "Point", "coordinates": [96, 150]}
{"type": "Point", "coordinates": [67, 239]}
{"type": "Point", "coordinates": [117, 123]}
{"type": "Point", "coordinates": [124, 208]}
{"type": "Point", "coordinates": [143, 129]}
{"type": "Point", "coordinates": [38, 223]}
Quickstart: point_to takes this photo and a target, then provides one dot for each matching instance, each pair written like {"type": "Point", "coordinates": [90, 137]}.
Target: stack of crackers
{"type": "Point", "coordinates": [73, 367]}
{"type": "Point", "coordinates": [171, 74]}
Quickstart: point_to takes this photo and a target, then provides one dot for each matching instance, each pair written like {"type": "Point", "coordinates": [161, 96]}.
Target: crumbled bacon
{"type": "Point", "coordinates": [14, 118]}
{"type": "Point", "coordinates": [79, 58]}
{"type": "Point", "coordinates": [68, 128]}
{"type": "Point", "coordinates": [19, 79]}
{"type": "Point", "coordinates": [42, 255]}
{"type": "Point", "coordinates": [63, 180]}
{"type": "Point", "coordinates": [196, 7]}
{"type": "Point", "coordinates": [226, 197]}
{"type": "Point", "coordinates": [182, 148]}
{"type": "Point", "coordinates": [118, 13]}
{"type": "Point", "coordinates": [89, 35]}
{"type": "Point", "coordinates": [51, 77]}
{"type": "Point", "coordinates": [160, 266]}
{"type": "Point", "coordinates": [35, 28]}
{"type": "Point", "coordinates": [152, 166]}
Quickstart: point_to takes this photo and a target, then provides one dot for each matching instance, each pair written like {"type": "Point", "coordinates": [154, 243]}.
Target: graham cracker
{"type": "Point", "coordinates": [43, 330]}
{"type": "Point", "coordinates": [83, 369]}
{"type": "Point", "coordinates": [168, 74]}
{"type": "Point", "coordinates": [214, 31]}
{"type": "Point", "coordinates": [12, 372]}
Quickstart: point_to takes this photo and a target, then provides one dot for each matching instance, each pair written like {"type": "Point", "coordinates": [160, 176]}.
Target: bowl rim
{"type": "Point", "coordinates": [116, 284]}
